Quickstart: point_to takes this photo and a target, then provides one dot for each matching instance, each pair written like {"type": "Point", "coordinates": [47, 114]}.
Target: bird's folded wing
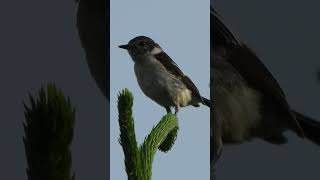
{"type": "Point", "coordinates": [246, 62]}
{"type": "Point", "coordinates": [220, 34]}
{"type": "Point", "coordinates": [173, 68]}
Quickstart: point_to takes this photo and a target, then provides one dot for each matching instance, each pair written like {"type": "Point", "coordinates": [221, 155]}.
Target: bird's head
{"type": "Point", "coordinates": [141, 46]}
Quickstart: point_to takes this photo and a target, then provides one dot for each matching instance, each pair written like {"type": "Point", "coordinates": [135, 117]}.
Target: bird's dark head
{"type": "Point", "coordinates": [141, 46]}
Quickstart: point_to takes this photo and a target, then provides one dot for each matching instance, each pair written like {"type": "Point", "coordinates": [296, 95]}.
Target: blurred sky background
{"type": "Point", "coordinates": [182, 29]}
{"type": "Point", "coordinates": [285, 35]}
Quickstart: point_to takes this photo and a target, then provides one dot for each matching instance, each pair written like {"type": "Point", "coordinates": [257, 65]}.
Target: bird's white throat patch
{"type": "Point", "coordinates": [156, 50]}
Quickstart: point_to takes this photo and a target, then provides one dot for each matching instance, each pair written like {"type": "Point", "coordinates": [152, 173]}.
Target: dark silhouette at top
{"type": "Point", "coordinates": [93, 26]}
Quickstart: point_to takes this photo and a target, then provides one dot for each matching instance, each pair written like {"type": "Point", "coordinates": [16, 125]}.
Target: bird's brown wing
{"type": "Point", "coordinates": [173, 68]}
{"type": "Point", "coordinates": [256, 74]}
{"type": "Point", "coordinates": [249, 65]}
{"type": "Point", "coordinates": [246, 62]}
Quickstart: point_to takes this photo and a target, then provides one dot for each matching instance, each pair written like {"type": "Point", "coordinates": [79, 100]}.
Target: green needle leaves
{"type": "Point", "coordinates": [48, 126]}
{"type": "Point", "coordinates": [138, 160]}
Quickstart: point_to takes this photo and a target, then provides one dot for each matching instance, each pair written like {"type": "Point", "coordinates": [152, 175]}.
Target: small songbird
{"type": "Point", "coordinates": [160, 78]}
{"type": "Point", "coordinates": [249, 103]}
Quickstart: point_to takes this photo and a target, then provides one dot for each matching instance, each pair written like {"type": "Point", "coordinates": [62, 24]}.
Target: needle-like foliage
{"type": "Point", "coordinates": [138, 160]}
{"type": "Point", "coordinates": [48, 126]}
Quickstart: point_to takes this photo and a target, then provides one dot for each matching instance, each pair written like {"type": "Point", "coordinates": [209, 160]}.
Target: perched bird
{"type": "Point", "coordinates": [248, 101]}
{"type": "Point", "coordinates": [93, 29]}
{"type": "Point", "coordinates": [160, 78]}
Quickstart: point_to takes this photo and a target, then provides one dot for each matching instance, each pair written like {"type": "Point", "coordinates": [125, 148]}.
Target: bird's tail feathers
{"type": "Point", "coordinates": [311, 127]}
{"type": "Point", "coordinates": [206, 101]}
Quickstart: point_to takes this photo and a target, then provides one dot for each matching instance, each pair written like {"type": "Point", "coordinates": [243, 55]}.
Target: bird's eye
{"type": "Point", "coordinates": [142, 43]}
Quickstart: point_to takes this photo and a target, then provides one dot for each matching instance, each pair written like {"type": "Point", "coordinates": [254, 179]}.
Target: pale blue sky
{"type": "Point", "coordinates": [182, 30]}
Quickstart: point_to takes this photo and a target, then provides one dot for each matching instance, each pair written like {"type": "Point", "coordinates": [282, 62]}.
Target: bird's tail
{"type": "Point", "coordinates": [310, 127]}
{"type": "Point", "coordinates": [206, 101]}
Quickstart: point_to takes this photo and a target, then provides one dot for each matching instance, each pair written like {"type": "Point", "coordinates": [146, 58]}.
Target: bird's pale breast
{"type": "Point", "coordinates": [236, 104]}
{"type": "Point", "coordinates": [159, 84]}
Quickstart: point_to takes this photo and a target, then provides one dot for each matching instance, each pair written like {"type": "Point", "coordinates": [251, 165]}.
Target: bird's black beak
{"type": "Point", "coordinates": [124, 46]}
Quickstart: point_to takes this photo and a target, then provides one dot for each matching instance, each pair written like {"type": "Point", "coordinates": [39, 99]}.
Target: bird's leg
{"type": "Point", "coordinates": [176, 108]}
{"type": "Point", "coordinates": [168, 110]}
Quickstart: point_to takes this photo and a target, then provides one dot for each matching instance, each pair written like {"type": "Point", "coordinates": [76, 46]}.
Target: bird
{"type": "Point", "coordinates": [248, 101]}
{"type": "Point", "coordinates": [92, 21]}
{"type": "Point", "coordinates": [160, 78]}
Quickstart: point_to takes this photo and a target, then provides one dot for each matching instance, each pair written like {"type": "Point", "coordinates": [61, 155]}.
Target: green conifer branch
{"type": "Point", "coordinates": [127, 135]}
{"type": "Point", "coordinates": [138, 161]}
{"type": "Point", "coordinates": [48, 126]}
{"type": "Point", "coordinates": [156, 137]}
